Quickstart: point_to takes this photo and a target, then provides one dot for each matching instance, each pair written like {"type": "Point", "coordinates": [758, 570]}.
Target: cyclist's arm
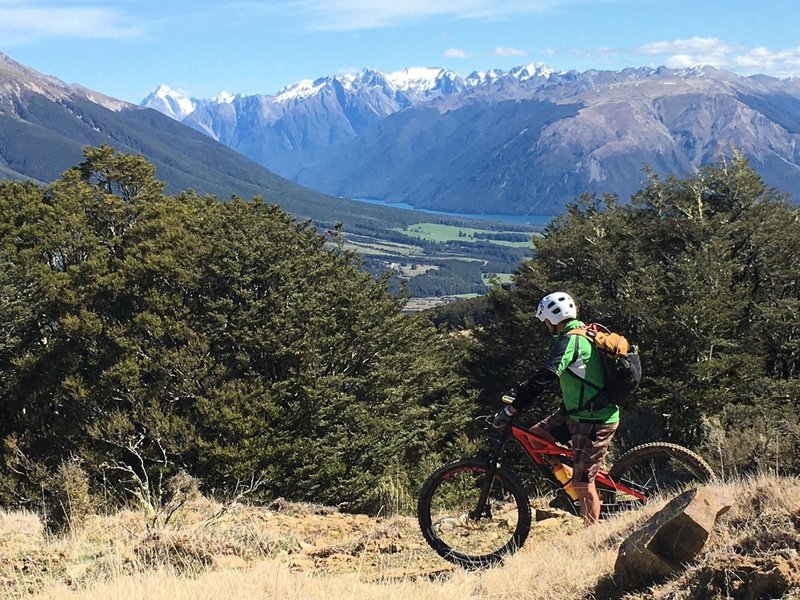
{"type": "Point", "coordinates": [532, 387]}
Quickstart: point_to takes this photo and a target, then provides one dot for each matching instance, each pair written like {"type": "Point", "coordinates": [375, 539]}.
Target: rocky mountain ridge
{"type": "Point", "coordinates": [282, 131]}
{"type": "Point", "coordinates": [45, 123]}
{"type": "Point", "coordinates": [19, 82]}
{"type": "Point", "coordinates": [526, 140]}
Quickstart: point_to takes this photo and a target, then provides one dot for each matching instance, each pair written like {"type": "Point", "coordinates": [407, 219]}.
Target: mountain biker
{"type": "Point", "coordinates": [585, 417]}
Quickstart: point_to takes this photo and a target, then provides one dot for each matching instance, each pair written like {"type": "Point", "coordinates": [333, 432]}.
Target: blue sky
{"type": "Point", "coordinates": [125, 48]}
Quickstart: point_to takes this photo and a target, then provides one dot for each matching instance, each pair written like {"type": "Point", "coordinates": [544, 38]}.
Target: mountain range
{"type": "Point", "coordinates": [526, 140]}
{"type": "Point", "coordinates": [45, 123]}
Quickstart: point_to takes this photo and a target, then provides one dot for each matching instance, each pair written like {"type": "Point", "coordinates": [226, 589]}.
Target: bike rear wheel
{"type": "Point", "coordinates": [448, 498]}
{"type": "Point", "coordinates": [659, 468]}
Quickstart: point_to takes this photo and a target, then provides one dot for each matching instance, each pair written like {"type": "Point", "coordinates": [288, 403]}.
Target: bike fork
{"type": "Point", "coordinates": [483, 509]}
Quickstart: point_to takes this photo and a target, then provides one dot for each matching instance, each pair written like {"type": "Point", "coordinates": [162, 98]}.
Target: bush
{"type": "Point", "coordinates": [701, 273]}
{"type": "Point", "coordinates": [69, 503]}
{"type": "Point", "coordinates": [159, 333]}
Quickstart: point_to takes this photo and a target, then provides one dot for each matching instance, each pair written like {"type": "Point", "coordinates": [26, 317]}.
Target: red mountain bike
{"type": "Point", "coordinates": [475, 511]}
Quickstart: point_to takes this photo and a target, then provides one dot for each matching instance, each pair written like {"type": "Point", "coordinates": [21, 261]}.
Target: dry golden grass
{"type": "Point", "coordinates": [295, 551]}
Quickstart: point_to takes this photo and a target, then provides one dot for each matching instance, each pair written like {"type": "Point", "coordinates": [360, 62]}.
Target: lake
{"type": "Point", "coordinates": [518, 219]}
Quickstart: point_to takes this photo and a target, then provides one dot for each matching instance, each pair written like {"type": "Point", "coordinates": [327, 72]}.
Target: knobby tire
{"type": "Point", "coordinates": [451, 492]}
{"type": "Point", "coordinates": [647, 466]}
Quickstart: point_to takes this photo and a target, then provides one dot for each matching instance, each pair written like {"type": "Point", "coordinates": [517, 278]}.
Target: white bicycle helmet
{"type": "Point", "coordinates": [556, 307]}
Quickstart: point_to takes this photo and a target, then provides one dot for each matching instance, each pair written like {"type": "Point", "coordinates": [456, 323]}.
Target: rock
{"type": "Point", "coordinates": [749, 578]}
{"type": "Point", "coordinates": [388, 547]}
{"type": "Point", "coordinates": [542, 514]}
{"type": "Point", "coordinates": [278, 505]}
{"type": "Point", "coordinates": [670, 539]}
{"type": "Point", "coordinates": [73, 573]}
{"type": "Point", "coordinates": [302, 564]}
{"type": "Point", "coordinates": [307, 548]}
{"type": "Point", "coordinates": [774, 579]}
{"type": "Point", "coordinates": [551, 523]}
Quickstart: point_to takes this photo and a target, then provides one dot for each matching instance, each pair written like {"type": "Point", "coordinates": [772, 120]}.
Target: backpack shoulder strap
{"type": "Point", "coordinates": [584, 332]}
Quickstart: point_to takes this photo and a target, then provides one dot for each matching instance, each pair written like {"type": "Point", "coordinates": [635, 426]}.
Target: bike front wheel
{"type": "Point", "coordinates": [446, 511]}
{"type": "Point", "coordinates": [659, 468]}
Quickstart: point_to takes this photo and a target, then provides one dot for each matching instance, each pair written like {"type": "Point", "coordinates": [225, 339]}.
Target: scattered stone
{"type": "Point", "coordinates": [75, 572]}
{"type": "Point", "coordinates": [278, 505]}
{"type": "Point", "coordinates": [321, 543]}
{"type": "Point", "coordinates": [544, 514]}
{"type": "Point", "coordinates": [307, 548]}
{"type": "Point", "coordinates": [388, 547]}
{"type": "Point", "coordinates": [550, 524]}
{"type": "Point", "coordinates": [302, 564]}
{"type": "Point", "coordinates": [325, 510]}
{"type": "Point", "coordinates": [746, 578]}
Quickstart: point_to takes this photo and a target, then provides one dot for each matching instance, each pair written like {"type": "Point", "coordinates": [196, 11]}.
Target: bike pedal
{"type": "Point", "coordinates": [562, 501]}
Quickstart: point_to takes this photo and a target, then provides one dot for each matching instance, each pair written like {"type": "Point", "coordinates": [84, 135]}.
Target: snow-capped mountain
{"type": "Point", "coordinates": [283, 130]}
{"type": "Point", "coordinates": [523, 140]}
{"type": "Point", "coordinates": [407, 86]}
{"type": "Point", "coordinates": [174, 104]}
{"type": "Point", "coordinates": [407, 83]}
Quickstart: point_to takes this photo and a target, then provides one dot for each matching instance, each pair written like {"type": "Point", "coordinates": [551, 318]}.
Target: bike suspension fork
{"type": "Point", "coordinates": [483, 509]}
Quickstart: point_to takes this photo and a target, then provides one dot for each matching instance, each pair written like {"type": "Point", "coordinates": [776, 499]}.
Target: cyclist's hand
{"type": "Point", "coordinates": [504, 417]}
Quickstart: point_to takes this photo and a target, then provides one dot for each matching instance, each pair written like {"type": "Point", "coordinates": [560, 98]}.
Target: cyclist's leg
{"type": "Point", "coordinates": [590, 442]}
{"type": "Point", "coordinates": [553, 428]}
{"type": "Point", "coordinates": [589, 502]}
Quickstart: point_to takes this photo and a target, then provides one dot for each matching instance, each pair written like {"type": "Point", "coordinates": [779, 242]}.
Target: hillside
{"type": "Point", "coordinates": [45, 124]}
{"type": "Point", "coordinates": [285, 550]}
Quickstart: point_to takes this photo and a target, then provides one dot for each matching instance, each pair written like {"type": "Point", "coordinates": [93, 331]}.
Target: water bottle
{"type": "Point", "coordinates": [564, 474]}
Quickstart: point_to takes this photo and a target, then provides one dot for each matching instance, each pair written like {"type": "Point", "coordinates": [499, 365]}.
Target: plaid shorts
{"type": "Point", "coordinates": [590, 442]}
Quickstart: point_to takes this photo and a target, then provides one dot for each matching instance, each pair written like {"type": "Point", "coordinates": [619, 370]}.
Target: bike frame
{"type": "Point", "coordinates": [538, 449]}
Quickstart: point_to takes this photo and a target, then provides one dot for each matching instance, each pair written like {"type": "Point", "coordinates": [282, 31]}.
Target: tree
{"type": "Point", "coordinates": [162, 333]}
{"type": "Point", "coordinates": [702, 273]}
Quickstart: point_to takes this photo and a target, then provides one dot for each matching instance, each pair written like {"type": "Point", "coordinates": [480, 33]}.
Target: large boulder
{"type": "Point", "coordinates": [670, 539]}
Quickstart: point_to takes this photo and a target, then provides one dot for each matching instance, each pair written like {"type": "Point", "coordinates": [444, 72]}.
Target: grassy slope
{"type": "Point", "coordinates": [296, 551]}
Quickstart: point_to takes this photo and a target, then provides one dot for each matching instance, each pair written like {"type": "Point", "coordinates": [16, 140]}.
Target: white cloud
{"type": "Point", "coordinates": [780, 63]}
{"type": "Point", "coordinates": [29, 21]}
{"type": "Point", "coordinates": [368, 14]}
{"type": "Point", "coordinates": [689, 52]}
{"type": "Point", "coordinates": [694, 44]}
{"type": "Point", "coordinates": [509, 52]}
{"type": "Point", "coordinates": [697, 51]}
{"type": "Point", "coordinates": [456, 53]}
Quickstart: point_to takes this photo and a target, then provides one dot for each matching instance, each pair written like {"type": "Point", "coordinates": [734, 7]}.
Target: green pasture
{"type": "Point", "coordinates": [436, 232]}
{"type": "Point", "coordinates": [499, 277]}
{"type": "Point", "coordinates": [381, 248]}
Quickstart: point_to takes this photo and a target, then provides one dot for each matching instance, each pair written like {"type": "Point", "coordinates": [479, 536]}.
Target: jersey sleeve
{"type": "Point", "coordinates": [556, 358]}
